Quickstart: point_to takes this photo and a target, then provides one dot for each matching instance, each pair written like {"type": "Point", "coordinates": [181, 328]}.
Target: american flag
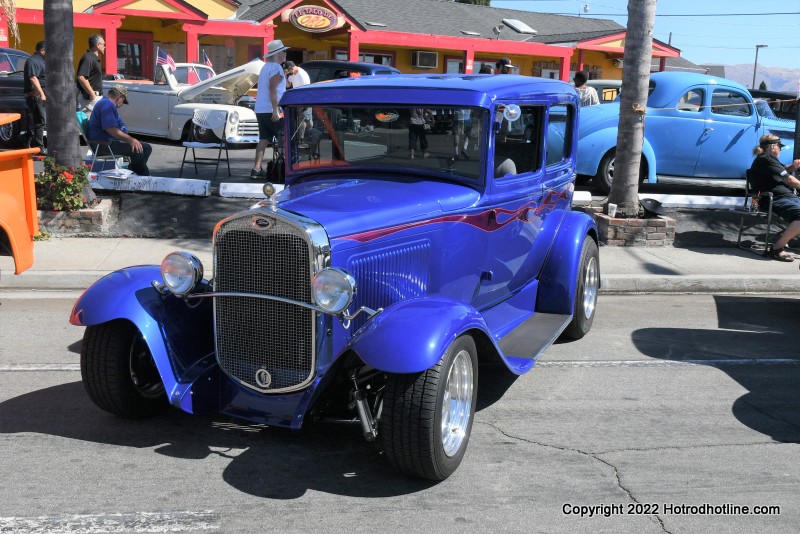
{"type": "Point", "coordinates": [165, 59]}
{"type": "Point", "coordinates": [207, 61]}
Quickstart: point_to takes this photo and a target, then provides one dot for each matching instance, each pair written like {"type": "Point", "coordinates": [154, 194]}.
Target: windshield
{"type": "Point", "coordinates": [447, 141]}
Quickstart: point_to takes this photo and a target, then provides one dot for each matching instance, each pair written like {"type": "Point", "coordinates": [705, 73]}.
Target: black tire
{"type": "Point", "coordinates": [203, 135]}
{"type": "Point", "coordinates": [118, 371]}
{"type": "Point", "coordinates": [411, 426]}
{"type": "Point", "coordinates": [605, 173]}
{"type": "Point", "coordinates": [588, 283]}
{"type": "Point", "coordinates": [11, 134]}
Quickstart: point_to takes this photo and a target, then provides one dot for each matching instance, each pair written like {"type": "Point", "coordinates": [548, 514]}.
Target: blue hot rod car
{"type": "Point", "coordinates": [696, 126]}
{"type": "Point", "coordinates": [371, 287]}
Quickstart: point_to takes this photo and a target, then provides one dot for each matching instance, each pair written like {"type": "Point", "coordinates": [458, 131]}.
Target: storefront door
{"type": "Point", "coordinates": [135, 55]}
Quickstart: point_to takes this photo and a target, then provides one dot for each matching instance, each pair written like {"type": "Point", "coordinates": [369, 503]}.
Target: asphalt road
{"type": "Point", "coordinates": [669, 401]}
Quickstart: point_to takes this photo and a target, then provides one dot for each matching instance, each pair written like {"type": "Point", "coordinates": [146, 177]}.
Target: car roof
{"type": "Point", "coordinates": [672, 85]}
{"type": "Point", "coordinates": [351, 65]}
{"type": "Point", "coordinates": [441, 89]}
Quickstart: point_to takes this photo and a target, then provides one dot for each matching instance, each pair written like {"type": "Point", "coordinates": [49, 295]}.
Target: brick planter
{"type": "Point", "coordinates": [88, 221]}
{"type": "Point", "coordinates": [655, 232]}
{"type": "Point", "coordinates": [658, 231]}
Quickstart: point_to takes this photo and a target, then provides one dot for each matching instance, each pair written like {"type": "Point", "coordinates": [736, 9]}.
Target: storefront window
{"type": "Point", "coordinates": [368, 57]}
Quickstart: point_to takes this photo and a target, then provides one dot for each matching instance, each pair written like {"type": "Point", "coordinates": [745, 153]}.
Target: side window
{"type": "Point", "coordinates": [559, 134]}
{"type": "Point", "coordinates": [518, 145]}
{"type": "Point", "coordinates": [732, 103]}
{"type": "Point", "coordinates": [692, 101]}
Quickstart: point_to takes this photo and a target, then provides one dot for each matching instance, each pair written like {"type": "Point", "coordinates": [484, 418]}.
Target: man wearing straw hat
{"type": "Point", "coordinates": [271, 86]}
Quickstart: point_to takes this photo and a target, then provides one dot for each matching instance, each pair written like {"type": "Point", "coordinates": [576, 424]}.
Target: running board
{"type": "Point", "coordinates": [530, 338]}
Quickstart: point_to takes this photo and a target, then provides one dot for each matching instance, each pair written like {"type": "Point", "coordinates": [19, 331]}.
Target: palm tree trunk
{"type": "Point", "coordinates": [633, 101]}
{"type": "Point", "coordinates": [63, 139]}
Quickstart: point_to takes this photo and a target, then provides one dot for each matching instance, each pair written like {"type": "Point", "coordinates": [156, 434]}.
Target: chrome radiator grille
{"type": "Point", "coordinates": [265, 344]}
{"type": "Point", "coordinates": [247, 128]}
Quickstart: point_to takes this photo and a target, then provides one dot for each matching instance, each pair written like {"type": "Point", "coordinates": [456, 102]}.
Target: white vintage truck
{"type": "Point", "coordinates": [164, 107]}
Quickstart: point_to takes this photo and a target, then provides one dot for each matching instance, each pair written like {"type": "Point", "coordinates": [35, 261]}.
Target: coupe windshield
{"type": "Point", "coordinates": [448, 140]}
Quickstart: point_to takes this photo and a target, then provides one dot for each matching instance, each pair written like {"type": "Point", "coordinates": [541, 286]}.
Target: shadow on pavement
{"type": "Point", "coordinates": [264, 462]}
{"type": "Point", "coordinates": [760, 332]}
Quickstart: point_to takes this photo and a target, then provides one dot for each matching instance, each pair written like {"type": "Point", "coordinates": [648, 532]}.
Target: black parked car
{"type": "Point", "coordinates": [12, 100]}
{"type": "Point", "coordinates": [320, 70]}
{"type": "Point", "coordinates": [784, 105]}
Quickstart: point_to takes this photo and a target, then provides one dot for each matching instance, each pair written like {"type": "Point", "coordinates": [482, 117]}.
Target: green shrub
{"type": "Point", "coordinates": [61, 188]}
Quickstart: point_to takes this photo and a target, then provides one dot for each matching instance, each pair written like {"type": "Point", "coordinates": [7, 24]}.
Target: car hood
{"type": "Point", "coordinates": [348, 206]}
{"type": "Point", "coordinates": [592, 118]}
{"type": "Point", "coordinates": [226, 87]}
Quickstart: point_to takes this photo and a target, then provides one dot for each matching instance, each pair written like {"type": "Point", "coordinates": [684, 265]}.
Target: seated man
{"type": "Point", "coordinates": [105, 124]}
{"type": "Point", "coordinates": [768, 174]}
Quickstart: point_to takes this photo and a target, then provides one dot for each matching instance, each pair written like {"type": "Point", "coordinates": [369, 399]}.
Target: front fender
{"type": "Point", "coordinates": [558, 279]}
{"type": "Point", "coordinates": [411, 336]}
{"type": "Point", "coordinates": [179, 337]}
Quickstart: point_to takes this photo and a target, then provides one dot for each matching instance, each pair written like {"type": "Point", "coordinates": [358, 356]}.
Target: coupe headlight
{"type": "Point", "coordinates": [333, 290]}
{"type": "Point", "coordinates": [181, 272]}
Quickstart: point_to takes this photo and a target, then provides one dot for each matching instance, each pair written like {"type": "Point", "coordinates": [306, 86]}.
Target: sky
{"type": "Point", "coordinates": [706, 31]}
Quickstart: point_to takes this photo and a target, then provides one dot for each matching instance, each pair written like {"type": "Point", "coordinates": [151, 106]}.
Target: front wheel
{"type": "Point", "coordinates": [427, 417]}
{"type": "Point", "coordinates": [10, 134]}
{"type": "Point", "coordinates": [118, 371]}
{"type": "Point", "coordinates": [588, 283]}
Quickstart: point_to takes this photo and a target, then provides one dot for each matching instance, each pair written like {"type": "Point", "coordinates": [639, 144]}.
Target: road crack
{"type": "Point", "coordinates": [592, 456]}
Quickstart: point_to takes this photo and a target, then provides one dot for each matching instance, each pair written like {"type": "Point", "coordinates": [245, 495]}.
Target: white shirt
{"type": "Point", "coordinates": [270, 69]}
{"type": "Point", "coordinates": [300, 79]}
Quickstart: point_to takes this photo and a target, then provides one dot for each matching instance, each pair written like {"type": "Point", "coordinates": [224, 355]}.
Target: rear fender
{"type": "Point", "coordinates": [558, 278]}
{"type": "Point", "coordinates": [411, 336]}
{"type": "Point", "coordinates": [179, 337]}
{"type": "Point", "coordinates": [600, 143]}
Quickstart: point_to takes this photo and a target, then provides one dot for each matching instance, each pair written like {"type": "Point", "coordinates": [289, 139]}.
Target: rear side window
{"type": "Point", "coordinates": [559, 134]}
{"type": "Point", "coordinates": [692, 101]}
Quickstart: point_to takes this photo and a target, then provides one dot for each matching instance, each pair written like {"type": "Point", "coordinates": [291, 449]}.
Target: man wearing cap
{"type": "Point", "coordinates": [768, 174]}
{"type": "Point", "coordinates": [504, 66]}
{"type": "Point", "coordinates": [105, 124]}
{"type": "Point", "coordinates": [271, 86]}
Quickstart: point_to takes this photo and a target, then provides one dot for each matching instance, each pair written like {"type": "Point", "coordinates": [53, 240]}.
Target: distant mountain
{"type": "Point", "coordinates": [776, 78]}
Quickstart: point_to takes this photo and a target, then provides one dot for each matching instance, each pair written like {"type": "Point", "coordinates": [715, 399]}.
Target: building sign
{"type": "Point", "coordinates": [314, 19]}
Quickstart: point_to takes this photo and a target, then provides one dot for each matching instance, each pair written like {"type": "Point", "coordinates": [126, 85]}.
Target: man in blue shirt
{"type": "Point", "coordinates": [105, 124]}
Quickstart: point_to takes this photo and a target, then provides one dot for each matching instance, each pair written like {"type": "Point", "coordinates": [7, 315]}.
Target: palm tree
{"type": "Point", "coordinates": [63, 142]}
{"type": "Point", "coordinates": [635, 79]}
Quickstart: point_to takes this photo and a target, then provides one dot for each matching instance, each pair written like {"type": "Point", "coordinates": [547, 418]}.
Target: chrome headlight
{"type": "Point", "coordinates": [233, 117]}
{"type": "Point", "coordinates": [333, 290]}
{"type": "Point", "coordinates": [181, 272]}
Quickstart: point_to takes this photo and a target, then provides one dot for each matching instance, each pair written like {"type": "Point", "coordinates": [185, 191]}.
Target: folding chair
{"type": "Point", "coordinates": [206, 121]}
{"type": "Point", "coordinates": [756, 205]}
{"type": "Point", "coordinates": [98, 161]}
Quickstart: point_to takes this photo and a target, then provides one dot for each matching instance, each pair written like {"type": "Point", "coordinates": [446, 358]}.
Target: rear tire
{"type": "Point", "coordinates": [427, 417]}
{"type": "Point", "coordinates": [11, 134]}
{"type": "Point", "coordinates": [605, 173]}
{"type": "Point", "coordinates": [588, 283]}
{"type": "Point", "coordinates": [119, 373]}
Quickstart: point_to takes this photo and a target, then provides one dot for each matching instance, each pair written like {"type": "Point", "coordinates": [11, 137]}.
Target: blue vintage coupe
{"type": "Point", "coordinates": [696, 126]}
{"type": "Point", "coordinates": [395, 261]}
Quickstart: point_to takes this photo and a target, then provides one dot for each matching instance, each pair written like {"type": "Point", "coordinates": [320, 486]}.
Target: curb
{"type": "Point", "coordinates": [717, 283]}
{"type": "Point", "coordinates": [610, 284]}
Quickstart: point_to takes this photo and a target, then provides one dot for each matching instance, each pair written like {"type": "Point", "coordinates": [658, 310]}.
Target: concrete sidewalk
{"type": "Point", "coordinates": [75, 263]}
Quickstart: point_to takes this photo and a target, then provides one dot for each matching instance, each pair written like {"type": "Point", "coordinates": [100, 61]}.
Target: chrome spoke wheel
{"type": "Point", "coordinates": [457, 403]}
{"type": "Point", "coordinates": [591, 282]}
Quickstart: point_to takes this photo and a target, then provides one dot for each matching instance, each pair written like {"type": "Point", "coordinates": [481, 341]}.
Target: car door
{"type": "Point", "coordinates": [516, 218]}
{"type": "Point", "coordinates": [674, 132]}
{"type": "Point", "coordinates": [729, 135]}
